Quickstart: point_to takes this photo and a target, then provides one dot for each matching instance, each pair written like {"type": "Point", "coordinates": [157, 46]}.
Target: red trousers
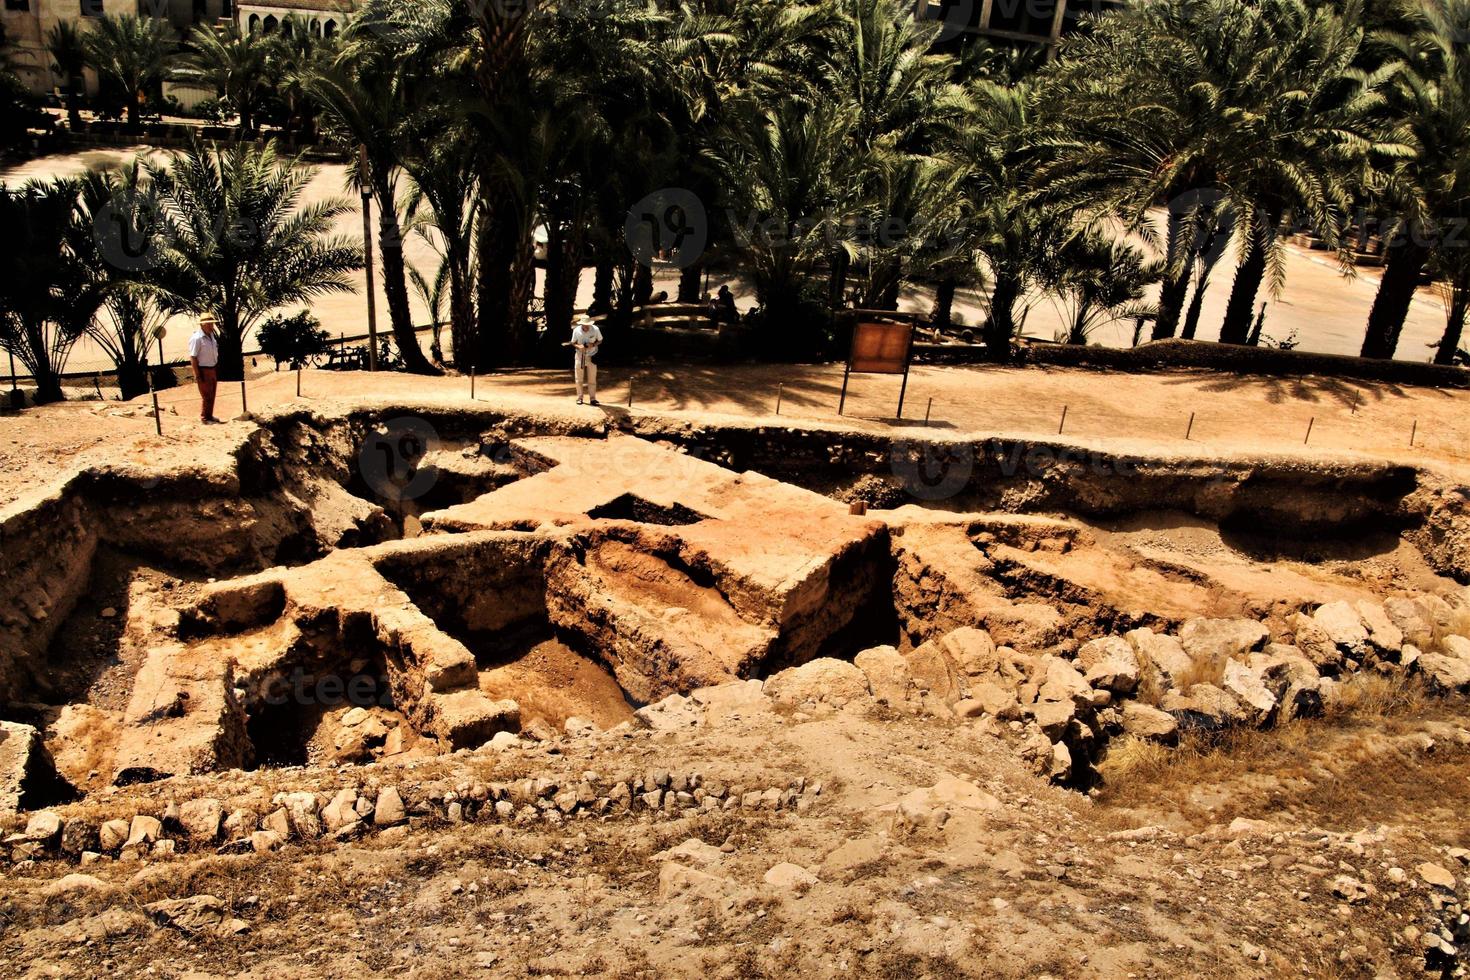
{"type": "Point", "coordinates": [208, 381]}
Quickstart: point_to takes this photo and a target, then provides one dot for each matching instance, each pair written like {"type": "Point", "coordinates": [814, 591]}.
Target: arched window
{"type": "Point", "coordinates": [271, 23]}
{"type": "Point", "coordinates": [255, 23]}
{"type": "Point", "coordinates": [316, 28]}
{"type": "Point", "coordinates": [329, 29]}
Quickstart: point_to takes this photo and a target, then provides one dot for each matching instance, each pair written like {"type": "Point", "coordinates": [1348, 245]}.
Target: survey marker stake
{"type": "Point", "coordinates": [1063, 426]}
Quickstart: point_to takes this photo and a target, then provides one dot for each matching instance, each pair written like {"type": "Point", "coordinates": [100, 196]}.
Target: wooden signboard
{"type": "Point", "coordinates": [879, 348]}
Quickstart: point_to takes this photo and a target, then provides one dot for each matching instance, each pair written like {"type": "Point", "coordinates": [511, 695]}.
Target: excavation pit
{"type": "Point", "coordinates": [349, 599]}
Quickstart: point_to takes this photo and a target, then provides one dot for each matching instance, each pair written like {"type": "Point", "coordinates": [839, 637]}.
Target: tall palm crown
{"type": "Point", "coordinates": [131, 55]}
{"type": "Point", "coordinates": [46, 300]}
{"type": "Point", "coordinates": [238, 242]}
{"type": "Point", "coordinates": [1263, 101]}
{"type": "Point", "coordinates": [68, 49]}
{"type": "Point", "coordinates": [234, 64]}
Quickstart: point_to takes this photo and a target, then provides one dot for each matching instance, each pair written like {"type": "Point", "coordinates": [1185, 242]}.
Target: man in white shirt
{"type": "Point", "coordinates": [204, 359]}
{"type": "Point", "coordinates": [586, 338]}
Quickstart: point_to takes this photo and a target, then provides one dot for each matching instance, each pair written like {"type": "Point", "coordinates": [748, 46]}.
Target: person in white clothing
{"type": "Point", "coordinates": [204, 358]}
{"type": "Point", "coordinates": [586, 338]}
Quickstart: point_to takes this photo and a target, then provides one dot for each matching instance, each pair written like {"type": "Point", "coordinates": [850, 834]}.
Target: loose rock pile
{"type": "Point", "coordinates": [1060, 710]}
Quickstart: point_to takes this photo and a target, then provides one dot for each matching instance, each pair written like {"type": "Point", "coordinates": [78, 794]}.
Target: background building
{"type": "Point", "coordinates": [323, 17]}
{"type": "Point", "coordinates": [27, 22]}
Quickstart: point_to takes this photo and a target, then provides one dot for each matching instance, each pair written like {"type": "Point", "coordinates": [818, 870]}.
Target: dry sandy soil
{"type": "Point", "coordinates": [408, 684]}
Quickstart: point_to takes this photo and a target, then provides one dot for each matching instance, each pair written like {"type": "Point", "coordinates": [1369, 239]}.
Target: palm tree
{"type": "Point", "coordinates": [433, 293]}
{"type": "Point", "coordinates": [130, 54]}
{"type": "Point", "coordinates": [120, 256]}
{"type": "Point", "coordinates": [1452, 267]}
{"type": "Point", "coordinates": [1260, 103]}
{"type": "Point", "coordinates": [235, 65]}
{"type": "Point", "coordinates": [68, 51]}
{"type": "Point", "coordinates": [787, 173]}
{"type": "Point", "coordinates": [1432, 95]}
{"type": "Point", "coordinates": [294, 57]}
{"type": "Point", "coordinates": [363, 99]}
{"type": "Point", "coordinates": [46, 300]}
{"type": "Point", "coordinates": [239, 243]}
{"type": "Point", "coordinates": [1016, 232]}
{"type": "Point", "coordinates": [1101, 280]}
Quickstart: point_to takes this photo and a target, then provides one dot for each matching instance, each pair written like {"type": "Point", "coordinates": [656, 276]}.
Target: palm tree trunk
{"type": "Point", "coordinates": [1078, 335]}
{"type": "Point", "coordinates": [837, 278]}
{"type": "Point", "coordinates": [395, 283]}
{"type": "Point", "coordinates": [563, 274]}
{"type": "Point", "coordinates": [73, 105]}
{"type": "Point", "coordinates": [642, 285]}
{"type": "Point", "coordinates": [689, 282]}
{"type": "Point", "coordinates": [943, 316]}
{"type": "Point", "coordinates": [1240, 312]}
{"type": "Point", "coordinates": [1196, 305]}
{"type": "Point", "coordinates": [492, 342]}
{"type": "Point", "coordinates": [231, 343]}
{"type": "Point", "coordinates": [522, 288]}
{"type": "Point", "coordinates": [1455, 325]}
{"type": "Point", "coordinates": [461, 307]}
{"type": "Point", "coordinates": [602, 287]}
{"type": "Point", "coordinates": [1000, 325]}
{"type": "Point", "coordinates": [1171, 302]}
{"type": "Point", "coordinates": [1406, 258]}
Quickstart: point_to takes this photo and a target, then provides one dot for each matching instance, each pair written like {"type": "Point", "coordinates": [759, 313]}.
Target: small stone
{"type": "Point", "coordinates": [1436, 876]}
{"type": "Point", "coordinates": [790, 877]}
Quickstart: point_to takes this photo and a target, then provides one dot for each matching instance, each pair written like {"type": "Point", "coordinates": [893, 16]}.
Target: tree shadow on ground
{"type": "Point", "coordinates": [1349, 393]}
{"type": "Point", "coordinates": [700, 386]}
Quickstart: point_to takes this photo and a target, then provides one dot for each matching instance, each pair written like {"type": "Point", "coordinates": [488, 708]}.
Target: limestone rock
{"type": "Point", "coordinates": [1162, 652]}
{"type": "Point", "coordinates": [389, 810]}
{"type": "Point", "coordinates": [341, 810]}
{"type": "Point", "coordinates": [973, 651]}
{"type": "Point", "coordinates": [790, 877]}
{"type": "Point", "coordinates": [1436, 876]}
{"type": "Point", "coordinates": [1343, 626]}
{"type": "Point", "coordinates": [995, 699]}
{"type": "Point", "coordinates": [144, 831]}
{"type": "Point", "coordinates": [1383, 635]}
{"type": "Point", "coordinates": [675, 878]}
{"type": "Point", "coordinates": [43, 827]}
{"type": "Point", "coordinates": [674, 713]}
{"type": "Point", "coordinates": [1444, 673]}
{"type": "Point", "coordinates": [1291, 677]}
{"type": "Point", "coordinates": [1456, 646]}
{"type": "Point", "coordinates": [1061, 762]}
{"type": "Point", "coordinates": [1110, 663]}
{"type": "Point", "coordinates": [835, 682]}
{"type": "Point", "coordinates": [76, 884]}
{"type": "Point", "coordinates": [1060, 681]}
{"type": "Point", "coordinates": [1413, 619]}
{"type": "Point", "coordinates": [196, 914]}
{"type": "Point", "coordinates": [302, 809]}
{"type": "Point", "coordinates": [934, 671]}
{"type": "Point", "coordinates": [201, 819]}
{"type": "Point", "coordinates": [1315, 643]}
{"type": "Point", "coordinates": [694, 852]}
{"type": "Point", "coordinates": [1215, 640]}
{"type": "Point", "coordinates": [888, 674]}
{"type": "Point", "coordinates": [1053, 717]}
{"type": "Point", "coordinates": [1145, 721]}
{"type": "Point", "coordinates": [113, 834]}
{"type": "Point", "coordinates": [1203, 706]}
{"type": "Point", "coordinates": [26, 769]}
{"type": "Point", "coordinates": [737, 699]}
{"type": "Point", "coordinates": [1255, 698]}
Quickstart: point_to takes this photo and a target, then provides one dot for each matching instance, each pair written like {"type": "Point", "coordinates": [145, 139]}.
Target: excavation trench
{"type": "Point", "coordinates": [383, 584]}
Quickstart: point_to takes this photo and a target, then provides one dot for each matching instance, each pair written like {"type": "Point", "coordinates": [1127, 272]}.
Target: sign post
{"type": "Point", "coordinates": [879, 348]}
